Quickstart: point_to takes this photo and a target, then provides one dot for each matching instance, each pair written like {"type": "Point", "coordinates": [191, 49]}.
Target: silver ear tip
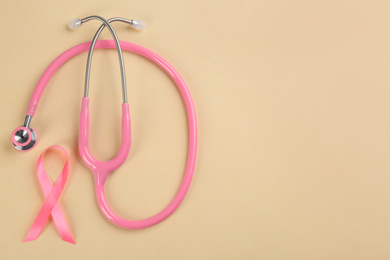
{"type": "Point", "coordinates": [138, 24]}
{"type": "Point", "coordinates": [74, 24]}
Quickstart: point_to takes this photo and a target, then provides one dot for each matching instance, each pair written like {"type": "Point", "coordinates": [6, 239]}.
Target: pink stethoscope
{"type": "Point", "coordinates": [24, 138]}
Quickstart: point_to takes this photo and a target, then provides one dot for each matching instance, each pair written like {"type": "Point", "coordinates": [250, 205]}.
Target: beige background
{"type": "Point", "coordinates": [293, 105]}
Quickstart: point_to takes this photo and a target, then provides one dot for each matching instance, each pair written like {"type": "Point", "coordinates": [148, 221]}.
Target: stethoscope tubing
{"type": "Point", "coordinates": [191, 117]}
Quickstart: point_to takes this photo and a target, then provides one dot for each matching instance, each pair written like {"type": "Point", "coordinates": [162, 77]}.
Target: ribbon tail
{"type": "Point", "coordinates": [32, 234]}
{"type": "Point", "coordinates": [62, 226]}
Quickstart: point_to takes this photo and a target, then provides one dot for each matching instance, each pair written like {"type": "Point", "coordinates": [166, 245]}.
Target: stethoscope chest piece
{"type": "Point", "coordinates": [24, 138]}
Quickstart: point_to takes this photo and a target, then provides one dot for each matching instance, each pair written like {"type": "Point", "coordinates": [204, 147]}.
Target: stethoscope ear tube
{"type": "Point", "coordinates": [118, 48]}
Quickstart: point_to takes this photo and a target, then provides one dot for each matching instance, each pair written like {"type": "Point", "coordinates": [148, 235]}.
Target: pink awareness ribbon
{"type": "Point", "coordinates": [51, 205]}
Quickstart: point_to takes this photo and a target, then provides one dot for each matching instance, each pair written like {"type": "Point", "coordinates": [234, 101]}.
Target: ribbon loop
{"type": "Point", "coordinates": [51, 205]}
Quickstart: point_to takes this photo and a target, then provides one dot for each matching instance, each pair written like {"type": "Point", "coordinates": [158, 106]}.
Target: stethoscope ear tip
{"type": "Point", "coordinates": [138, 24]}
{"type": "Point", "coordinates": [74, 24]}
{"type": "Point", "coordinates": [24, 138]}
